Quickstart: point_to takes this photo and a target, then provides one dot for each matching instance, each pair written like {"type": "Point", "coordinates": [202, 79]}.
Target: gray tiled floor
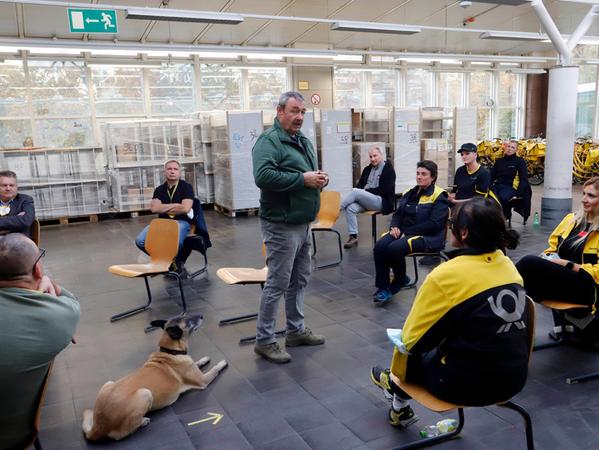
{"type": "Point", "coordinates": [323, 399]}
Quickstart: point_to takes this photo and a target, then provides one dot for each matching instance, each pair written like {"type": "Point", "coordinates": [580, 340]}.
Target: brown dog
{"type": "Point", "coordinates": [121, 406]}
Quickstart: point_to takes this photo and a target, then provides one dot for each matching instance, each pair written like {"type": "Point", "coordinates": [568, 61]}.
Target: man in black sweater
{"type": "Point", "coordinates": [375, 192]}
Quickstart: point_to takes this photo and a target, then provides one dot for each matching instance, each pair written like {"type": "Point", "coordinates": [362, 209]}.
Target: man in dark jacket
{"type": "Point", "coordinates": [17, 212]}
{"type": "Point", "coordinates": [375, 192]}
{"type": "Point", "coordinates": [286, 171]}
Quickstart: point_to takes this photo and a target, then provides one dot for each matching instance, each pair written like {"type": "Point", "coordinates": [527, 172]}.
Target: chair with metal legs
{"type": "Point", "coordinates": [162, 244]}
{"type": "Point", "coordinates": [330, 202]}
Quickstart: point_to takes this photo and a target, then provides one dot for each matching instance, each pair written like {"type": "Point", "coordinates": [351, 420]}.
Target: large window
{"type": "Point", "coordinates": [419, 83]}
{"type": "Point", "coordinates": [265, 86]}
{"type": "Point", "coordinates": [220, 87]}
{"type": "Point", "coordinates": [349, 89]}
{"type": "Point", "coordinates": [507, 103]}
{"type": "Point", "coordinates": [118, 91]}
{"type": "Point", "coordinates": [480, 97]}
{"type": "Point", "coordinates": [171, 90]}
{"type": "Point", "coordinates": [587, 100]}
{"type": "Point", "coordinates": [15, 126]}
{"type": "Point", "coordinates": [383, 84]}
{"type": "Point", "coordinates": [450, 89]}
{"type": "Point", "coordinates": [60, 102]}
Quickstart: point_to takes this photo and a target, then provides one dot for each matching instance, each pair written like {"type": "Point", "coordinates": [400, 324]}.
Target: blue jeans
{"type": "Point", "coordinates": [357, 201]}
{"type": "Point", "coordinates": [184, 228]}
{"type": "Point", "coordinates": [289, 266]}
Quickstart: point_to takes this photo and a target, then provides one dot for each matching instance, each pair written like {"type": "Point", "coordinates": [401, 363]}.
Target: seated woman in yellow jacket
{"type": "Point", "coordinates": [568, 270]}
{"type": "Point", "coordinates": [465, 338]}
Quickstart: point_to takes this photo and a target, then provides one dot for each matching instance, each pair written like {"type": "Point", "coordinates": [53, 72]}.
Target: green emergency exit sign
{"type": "Point", "coordinates": [92, 20]}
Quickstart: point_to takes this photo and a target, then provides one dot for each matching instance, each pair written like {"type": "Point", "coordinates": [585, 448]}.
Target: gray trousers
{"type": "Point", "coordinates": [289, 266]}
{"type": "Point", "coordinates": [357, 201]}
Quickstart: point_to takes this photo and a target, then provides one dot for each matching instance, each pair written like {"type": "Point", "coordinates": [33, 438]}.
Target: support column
{"type": "Point", "coordinates": [561, 128]}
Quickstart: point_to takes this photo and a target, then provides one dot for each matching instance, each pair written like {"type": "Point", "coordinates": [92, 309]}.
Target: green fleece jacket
{"type": "Point", "coordinates": [279, 165]}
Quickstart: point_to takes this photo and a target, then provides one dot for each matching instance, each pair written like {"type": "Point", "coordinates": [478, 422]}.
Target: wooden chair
{"type": "Point", "coordinates": [35, 232]}
{"type": "Point", "coordinates": [560, 333]}
{"type": "Point", "coordinates": [330, 202]}
{"type": "Point", "coordinates": [425, 398]}
{"type": "Point", "coordinates": [162, 244]}
{"type": "Point", "coordinates": [33, 438]}
{"type": "Point", "coordinates": [243, 276]}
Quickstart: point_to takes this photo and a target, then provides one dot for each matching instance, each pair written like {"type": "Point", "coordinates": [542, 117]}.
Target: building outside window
{"type": "Point", "coordinates": [419, 87]}
{"type": "Point", "coordinates": [587, 101]}
{"type": "Point", "coordinates": [265, 86]}
{"type": "Point", "coordinates": [480, 97]}
{"type": "Point", "coordinates": [383, 87]}
{"type": "Point", "coordinates": [118, 91]}
{"type": "Point", "coordinates": [349, 88]}
{"type": "Point", "coordinates": [450, 89]}
{"type": "Point", "coordinates": [220, 87]}
{"type": "Point", "coordinates": [60, 104]}
{"type": "Point", "coordinates": [172, 90]}
{"type": "Point", "coordinates": [15, 123]}
{"type": "Point", "coordinates": [507, 104]}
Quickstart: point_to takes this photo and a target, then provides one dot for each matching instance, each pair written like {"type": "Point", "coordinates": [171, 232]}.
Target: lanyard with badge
{"type": "Point", "coordinates": [4, 209]}
{"type": "Point", "coordinates": [171, 194]}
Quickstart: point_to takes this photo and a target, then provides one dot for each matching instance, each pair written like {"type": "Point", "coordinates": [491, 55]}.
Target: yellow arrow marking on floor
{"type": "Point", "coordinates": [215, 417]}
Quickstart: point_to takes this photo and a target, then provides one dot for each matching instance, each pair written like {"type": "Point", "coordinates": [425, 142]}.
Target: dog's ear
{"type": "Point", "coordinates": [174, 332]}
{"type": "Point", "coordinates": [158, 323]}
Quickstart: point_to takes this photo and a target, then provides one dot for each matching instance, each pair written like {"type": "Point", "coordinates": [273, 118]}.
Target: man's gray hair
{"type": "Point", "coordinates": [284, 98]}
{"type": "Point", "coordinates": [379, 148]}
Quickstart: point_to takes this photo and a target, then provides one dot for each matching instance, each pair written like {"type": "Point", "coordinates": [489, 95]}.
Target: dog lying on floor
{"type": "Point", "coordinates": [121, 406]}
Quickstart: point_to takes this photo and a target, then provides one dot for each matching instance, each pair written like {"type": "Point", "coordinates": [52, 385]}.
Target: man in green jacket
{"type": "Point", "coordinates": [286, 171]}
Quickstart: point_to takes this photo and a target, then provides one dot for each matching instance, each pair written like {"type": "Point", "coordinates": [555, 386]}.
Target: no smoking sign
{"type": "Point", "coordinates": [315, 99]}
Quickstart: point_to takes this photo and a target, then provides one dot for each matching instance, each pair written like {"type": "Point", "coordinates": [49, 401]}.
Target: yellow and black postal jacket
{"type": "Point", "coordinates": [468, 327]}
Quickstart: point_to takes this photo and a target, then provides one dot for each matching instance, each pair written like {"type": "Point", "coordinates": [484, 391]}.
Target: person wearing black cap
{"type": "Point", "coordinates": [471, 179]}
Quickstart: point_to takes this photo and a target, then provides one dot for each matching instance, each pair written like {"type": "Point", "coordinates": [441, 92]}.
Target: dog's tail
{"type": "Point", "coordinates": [88, 424]}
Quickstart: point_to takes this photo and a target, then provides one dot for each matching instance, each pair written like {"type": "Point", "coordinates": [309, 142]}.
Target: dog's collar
{"type": "Point", "coordinates": [173, 352]}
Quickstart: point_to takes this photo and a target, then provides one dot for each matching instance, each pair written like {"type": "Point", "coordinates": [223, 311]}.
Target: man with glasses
{"type": "Point", "coordinates": [37, 321]}
{"type": "Point", "coordinates": [16, 210]}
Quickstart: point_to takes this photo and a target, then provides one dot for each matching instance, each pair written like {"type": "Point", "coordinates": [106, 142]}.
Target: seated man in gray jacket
{"type": "Point", "coordinates": [375, 192]}
{"type": "Point", "coordinates": [16, 210]}
{"type": "Point", "coordinates": [37, 321]}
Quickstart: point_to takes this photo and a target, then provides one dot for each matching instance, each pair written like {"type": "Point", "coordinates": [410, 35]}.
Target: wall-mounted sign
{"type": "Point", "coordinates": [303, 85]}
{"type": "Point", "coordinates": [315, 99]}
{"type": "Point", "coordinates": [92, 20]}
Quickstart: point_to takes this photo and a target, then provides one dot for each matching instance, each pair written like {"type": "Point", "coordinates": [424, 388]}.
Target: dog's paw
{"type": "Point", "coordinates": [203, 361]}
{"type": "Point", "coordinates": [222, 364]}
{"type": "Point", "coordinates": [145, 421]}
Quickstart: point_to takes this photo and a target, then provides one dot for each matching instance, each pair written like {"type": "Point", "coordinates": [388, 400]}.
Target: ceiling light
{"type": "Point", "coordinates": [12, 62]}
{"type": "Point", "coordinates": [53, 50]}
{"type": "Point", "coordinates": [181, 15]}
{"type": "Point", "coordinates": [481, 63]}
{"type": "Point", "coordinates": [511, 64]}
{"type": "Point", "coordinates": [114, 52]}
{"type": "Point", "coordinates": [117, 63]}
{"type": "Point", "coordinates": [217, 55]}
{"type": "Point", "coordinates": [353, 58]}
{"type": "Point", "coordinates": [527, 71]}
{"type": "Point", "coordinates": [166, 54]}
{"type": "Point", "coordinates": [513, 36]}
{"type": "Point", "coordinates": [450, 61]}
{"type": "Point", "coordinates": [374, 27]}
{"type": "Point", "coordinates": [363, 69]}
{"type": "Point", "coordinates": [4, 49]}
{"type": "Point", "coordinates": [272, 57]}
{"type": "Point", "coordinates": [591, 61]}
{"type": "Point", "coordinates": [504, 2]}
{"type": "Point", "coordinates": [415, 60]}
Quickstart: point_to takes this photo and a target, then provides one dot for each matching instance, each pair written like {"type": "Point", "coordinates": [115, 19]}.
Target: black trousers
{"type": "Point", "coordinates": [504, 194]}
{"type": "Point", "coordinates": [389, 253]}
{"type": "Point", "coordinates": [545, 280]}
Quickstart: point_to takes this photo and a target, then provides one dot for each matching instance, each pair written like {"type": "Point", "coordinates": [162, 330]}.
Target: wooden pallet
{"type": "Point", "coordinates": [67, 220]}
{"type": "Point", "coordinates": [236, 212]}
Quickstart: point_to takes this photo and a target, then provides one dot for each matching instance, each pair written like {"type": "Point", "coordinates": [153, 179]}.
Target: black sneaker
{"type": "Point", "coordinates": [429, 261]}
{"type": "Point", "coordinates": [380, 377]}
{"type": "Point", "coordinates": [402, 418]}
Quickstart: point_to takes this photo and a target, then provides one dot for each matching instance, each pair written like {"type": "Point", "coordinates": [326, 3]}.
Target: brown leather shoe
{"type": "Point", "coordinates": [351, 242]}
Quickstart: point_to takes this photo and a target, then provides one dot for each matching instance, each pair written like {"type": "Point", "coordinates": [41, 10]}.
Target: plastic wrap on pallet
{"type": "Point", "coordinates": [62, 181]}
{"type": "Point", "coordinates": [437, 150]}
{"type": "Point", "coordinates": [233, 137]}
{"type": "Point", "coordinates": [406, 143]}
{"type": "Point", "coordinates": [360, 158]}
{"type": "Point", "coordinates": [335, 128]}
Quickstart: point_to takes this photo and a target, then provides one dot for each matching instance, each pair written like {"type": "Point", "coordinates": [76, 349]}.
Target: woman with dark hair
{"type": "Point", "coordinates": [418, 225]}
{"type": "Point", "coordinates": [568, 270]}
{"type": "Point", "coordinates": [465, 338]}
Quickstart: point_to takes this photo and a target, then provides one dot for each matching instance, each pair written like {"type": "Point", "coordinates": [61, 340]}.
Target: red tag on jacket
{"type": "Point", "coordinates": [583, 234]}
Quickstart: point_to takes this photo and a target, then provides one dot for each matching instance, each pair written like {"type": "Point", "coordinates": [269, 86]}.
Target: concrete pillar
{"type": "Point", "coordinates": [561, 128]}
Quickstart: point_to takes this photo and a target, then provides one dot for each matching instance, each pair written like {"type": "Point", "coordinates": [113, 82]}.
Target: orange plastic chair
{"type": "Point", "coordinates": [162, 244]}
{"type": "Point", "coordinates": [330, 202]}
{"type": "Point", "coordinates": [428, 400]}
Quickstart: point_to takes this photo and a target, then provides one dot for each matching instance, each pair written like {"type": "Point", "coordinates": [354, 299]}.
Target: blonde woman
{"type": "Point", "coordinates": [568, 270]}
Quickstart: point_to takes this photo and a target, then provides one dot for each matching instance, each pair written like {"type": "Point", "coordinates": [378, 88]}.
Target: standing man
{"type": "Point", "coordinates": [286, 171]}
{"type": "Point", "coordinates": [471, 179]}
{"type": "Point", "coordinates": [37, 321]}
{"type": "Point", "coordinates": [17, 212]}
{"type": "Point", "coordinates": [375, 192]}
{"type": "Point", "coordinates": [172, 200]}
